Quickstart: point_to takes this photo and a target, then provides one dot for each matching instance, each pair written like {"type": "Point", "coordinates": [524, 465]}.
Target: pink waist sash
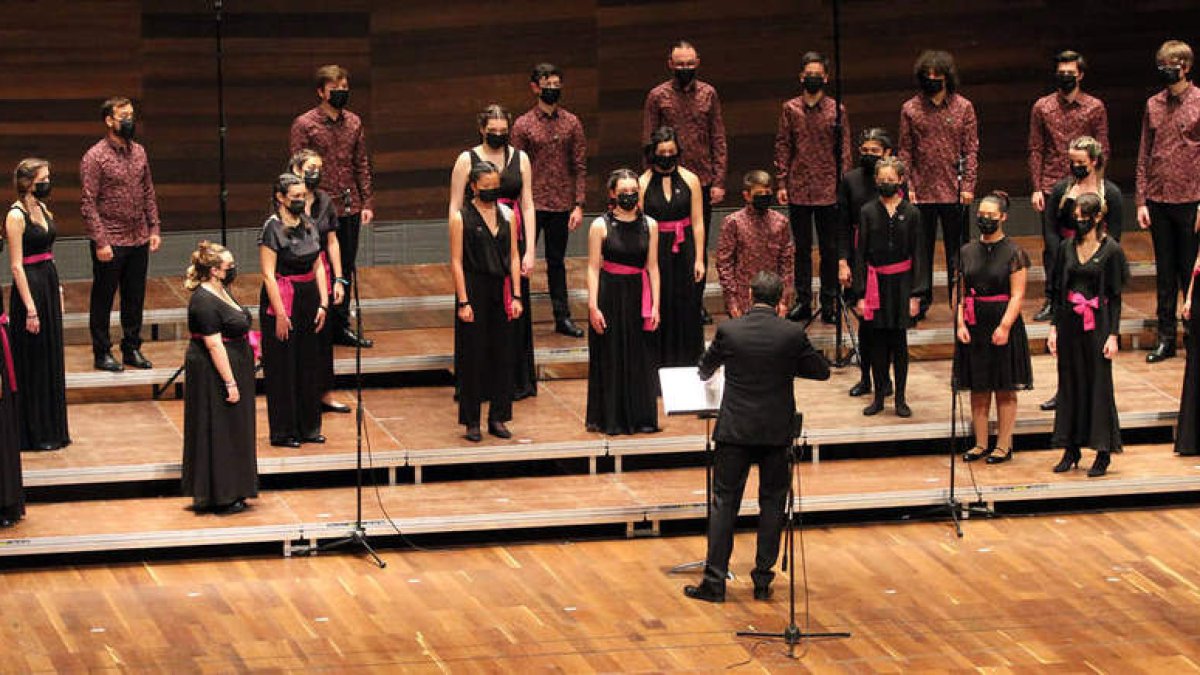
{"type": "Point", "coordinates": [35, 259]}
{"type": "Point", "coordinates": [871, 297]}
{"type": "Point", "coordinates": [1085, 307]}
{"type": "Point", "coordinates": [647, 295]}
{"type": "Point", "coordinates": [679, 227]}
{"type": "Point", "coordinates": [287, 289]}
{"type": "Point", "coordinates": [8, 355]}
{"type": "Point", "coordinates": [970, 300]}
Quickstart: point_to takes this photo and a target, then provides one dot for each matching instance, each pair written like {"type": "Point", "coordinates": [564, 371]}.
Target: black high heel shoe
{"type": "Point", "coordinates": [1100, 466]}
{"type": "Point", "coordinates": [998, 457]}
{"type": "Point", "coordinates": [1070, 460]}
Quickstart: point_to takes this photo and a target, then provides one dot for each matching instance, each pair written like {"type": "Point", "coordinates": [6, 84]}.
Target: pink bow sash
{"type": "Point", "coordinates": [8, 355]}
{"type": "Point", "coordinates": [970, 300]}
{"type": "Point", "coordinates": [287, 289]}
{"type": "Point", "coordinates": [512, 204]}
{"type": "Point", "coordinates": [871, 298]}
{"type": "Point", "coordinates": [647, 294]}
{"type": "Point", "coordinates": [35, 259]}
{"type": "Point", "coordinates": [1085, 307]}
{"type": "Point", "coordinates": [679, 227]}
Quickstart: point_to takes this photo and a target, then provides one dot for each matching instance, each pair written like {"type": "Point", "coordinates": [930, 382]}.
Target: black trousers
{"type": "Point", "coordinates": [889, 346]}
{"type": "Point", "coordinates": [729, 482]}
{"type": "Point", "coordinates": [801, 217]}
{"type": "Point", "coordinates": [706, 199]}
{"type": "Point", "coordinates": [126, 272]}
{"type": "Point", "coordinates": [1051, 240]}
{"type": "Point", "coordinates": [347, 235]}
{"type": "Point", "coordinates": [1172, 229]}
{"type": "Point", "coordinates": [554, 224]}
{"type": "Point", "coordinates": [951, 217]}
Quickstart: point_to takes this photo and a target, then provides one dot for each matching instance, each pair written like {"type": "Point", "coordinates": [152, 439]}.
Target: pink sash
{"type": "Point", "coordinates": [647, 293]}
{"type": "Point", "coordinates": [970, 300]}
{"type": "Point", "coordinates": [8, 355]}
{"type": "Point", "coordinates": [871, 298]}
{"type": "Point", "coordinates": [512, 204]}
{"type": "Point", "coordinates": [1086, 308]}
{"type": "Point", "coordinates": [35, 259]}
{"type": "Point", "coordinates": [679, 227]}
{"type": "Point", "coordinates": [287, 291]}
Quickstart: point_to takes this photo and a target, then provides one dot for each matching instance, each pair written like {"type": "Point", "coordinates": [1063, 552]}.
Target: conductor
{"type": "Point", "coordinates": [762, 353]}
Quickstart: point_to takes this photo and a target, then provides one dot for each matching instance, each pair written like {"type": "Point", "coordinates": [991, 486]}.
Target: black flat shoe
{"type": "Point", "coordinates": [976, 453]}
{"type": "Point", "coordinates": [861, 389]}
{"type": "Point", "coordinates": [567, 327]}
{"type": "Point", "coordinates": [763, 592]}
{"type": "Point", "coordinates": [1000, 457]}
{"type": "Point", "coordinates": [524, 394]}
{"type": "Point", "coordinates": [335, 407]}
{"type": "Point", "coordinates": [1070, 460]}
{"type": "Point", "coordinates": [6, 523]}
{"type": "Point", "coordinates": [348, 338]}
{"type": "Point", "coordinates": [134, 359]}
{"type": "Point", "coordinates": [108, 363]}
{"type": "Point", "coordinates": [705, 592]}
{"type": "Point", "coordinates": [473, 434]}
{"type": "Point", "coordinates": [498, 430]}
{"type": "Point", "coordinates": [313, 439]}
{"type": "Point", "coordinates": [1045, 313]}
{"type": "Point", "coordinates": [902, 409]}
{"type": "Point", "coordinates": [1100, 466]}
{"type": "Point", "coordinates": [285, 443]}
{"type": "Point", "coordinates": [1050, 404]}
{"type": "Point", "coordinates": [1164, 351]}
{"type": "Point", "coordinates": [875, 408]}
{"type": "Point", "coordinates": [231, 509]}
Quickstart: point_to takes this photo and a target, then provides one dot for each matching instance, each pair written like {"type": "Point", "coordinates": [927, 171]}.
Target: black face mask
{"type": "Point", "coordinates": [931, 86]}
{"type": "Point", "coordinates": [495, 141]}
{"type": "Point", "coordinates": [1083, 226]}
{"type": "Point", "coordinates": [627, 200]}
{"type": "Point", "coordinates": [666, 162]}
{"type": "Point", "coordinates": [868, 162]}
{"type": "Point", "coordinates": [41, 190]}
{"type": "Point", "coordinates": [550, 95]}
{"type": "Point", "coordinates": [685, 76]}
{"type": "Point", "coordinates": [812, 83]}
{"type": "Point", "coordinates": [1080, 171]}
{"type": "Point", "coordinates": [1066, 82]}
{"type": "Point", "coordinates": [312, 179]}
{"type": "Point", "coordinates": [489, 195]}
{"type": "Point", "coordinates": [126, 129]}
{"type": "Point", "coordinates": [888, 189]}
{"type": "Point", "coordinates": [338, 98]}
{"type": "Point", "coordinates": [762, 202]}
{"type": "Point", "coordinates": [230, 276]}
{"type": "Point", "coordinates": [295, 207]}
{"type": "Point", "coordinates": [988, 225]}
{"type": "Point", "coordinates": [1170, 74]}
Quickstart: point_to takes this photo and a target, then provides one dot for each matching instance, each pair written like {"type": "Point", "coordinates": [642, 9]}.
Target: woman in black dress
{"type": "Point", "coordinates": [321, 208]}
{"type": "Point", "coordinates": [1090, 272]}
{"type": "Point", "coordinates": [991, 354]}
{"type": "Point", "coordinates": [516, 193]}
{"type": "Point", "coordinates": [671, 196]}
{"type": "Point", "coordinates": [12, 493]}
{"type": "Point", "coordinates": [623, 313]}
{"type": "Point", "coordinates": [888, 279]}
{"type": "Point", "coordinates": [292, 309]}
{"type": "Point", "coordinates": [485, 264]}
{"type": "Point", "coordinates": [36, 304]}
{"type": "Point", "coordinates": [219, 464]}
{"type": "Point", "coordinates": [1186, 438]}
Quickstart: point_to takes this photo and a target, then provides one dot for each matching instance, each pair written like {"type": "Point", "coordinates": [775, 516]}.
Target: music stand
{"type": "Point", "coordinates": [684, 393]}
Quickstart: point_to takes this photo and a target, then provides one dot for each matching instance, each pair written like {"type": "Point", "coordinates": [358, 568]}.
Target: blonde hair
{"type": "Point", "coordinates": [1095, 152]}
{"type": "Point", "coordinates": [207, 257]}
{"type": "Point", "coordinates": [1175, 50]}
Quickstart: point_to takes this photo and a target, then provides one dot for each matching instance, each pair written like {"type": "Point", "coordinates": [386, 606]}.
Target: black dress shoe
{"type": "Point", "coordinates": [1070, 460]}
{"type": "Point", "coordinates": [313, 439]}
{"type": "Point", "coordinates": [998, 457]}
{"type": "Point", "coordinates": [1045, 313]}
{"type": "Point", "coordinates": [567, 327]}
{"type": "Point", "coordinates": [107, 362]}
{"type": "Point", "coordinates": [231, 509]}
{"type": "Point", "coordinates": [1050, 403]}
{"type": "Point", "coordinates": [1100, 466]}
{"type": "Point", "coordinates": [1164, 351]}
{"type": "Point", "coordinates": [498, 430]}
{"type": "Point", "coordinates": [875, 408]}
{"type": "Point", "coordinates": [902, 409]}
{"type": "Point", "coordinates": [335, 407]}
{"type": "Point", "coordinates": [863, 387]}
{"type": "Point", "coordinates": [348, 338]}
{"type": "Point", "coordinates": [705, 592]}
{"type": "Point", "coordinates": [473, 434]}
{"type": "Point", "coordinates": [763, 592]}
{"type": "Point", "coordinates": [134, 359]}
{"type": "Point", "coordinates": [285, 443]}
{"type": "Point", "coordinates": [6, 523]}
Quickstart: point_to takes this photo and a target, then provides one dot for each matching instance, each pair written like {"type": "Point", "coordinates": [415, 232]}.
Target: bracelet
{"type": "Point", "coordinates": [324, 307]}
{"type": "Point", "coordinates": [464, 303]}
{"type": "Point", "coordinates": [231, 385]}
{"type": "Point", "coordinates": [342, 280]}
{"type": "Point", "coordinates": [517, 297]}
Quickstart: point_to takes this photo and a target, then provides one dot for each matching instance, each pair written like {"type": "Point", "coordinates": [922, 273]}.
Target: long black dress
{"type": "Point", "coordinates": [1187, 441]}
{"type": "Point", "coordinates": [1087, 410]}
{"type": "Point", "coordinates": [484, 353]}
{"type": "Point", "coordinates": [524, 368]}
{"type": "Point", "coordinates": [293, 393]}
{"type": "Point", "coordinates": [324, 214]}
{"type": "Point", "coordinates": [680, 332]}
{"type": "Point", "coordinates": [622, 387]}
{"type": "Point", "coordinates": [219, 463]}
{"type": "Point", "coordinates": [980, 365]}
{"type": "Point", "coordinates": [41, 370]}
{"type": "Point", "coordinates": [12, 494]}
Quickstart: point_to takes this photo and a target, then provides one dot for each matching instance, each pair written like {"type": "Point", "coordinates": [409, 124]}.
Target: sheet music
{"type": "Point", "coordinates": [684, 393]}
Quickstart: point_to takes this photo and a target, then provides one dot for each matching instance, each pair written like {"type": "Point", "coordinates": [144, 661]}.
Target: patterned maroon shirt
{"type": "Point", "coordinates": [932, 139]}
{"type": "Point", "coordinates": [117, 194]}
{"type": "Point", "coordinates": [752, 242]}
{"type": "Point", "coordinates": [695, 114]}
{"type": "Point", "coordinates": [1053, 124]}
{"type": "Point", "coordinates": [1169, 153]}
{"type": "Point", "coordinates": [804, 151]}
{"type": "Point", "coordinates": [342, 145]}
{"type": "Point", "coordinates": [557, 152]}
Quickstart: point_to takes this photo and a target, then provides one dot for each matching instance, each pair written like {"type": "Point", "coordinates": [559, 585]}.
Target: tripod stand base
{"type": "Point", "coordinates": [697, 565]}
{"type": "Point", "coordinates": [792, 635]}
{"type": "Point", "coordinates": [357, 538]}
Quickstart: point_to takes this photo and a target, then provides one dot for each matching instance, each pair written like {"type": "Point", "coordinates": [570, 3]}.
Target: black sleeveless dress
{"type": "Point", "coordinates": [622, 386]}
{"type": "Point", "coordinates": [680, 333]}
{"type": "Point", "coordinates": [219, 460]}
{"type": "Point", "coordinates": [524, 368]}
{"type": "Point", "coordinates": [483, 354]}
{"type": "Point", "coordinates": [12, 494]}
{"type": "Point", "coordinates": [1187, 441]}
{"type": "Point", "coordinates": [41, 369]}
{"type": "Point", "coordinates": [980, 365]}
{"type": "Point", "coordinates": [324, 215]}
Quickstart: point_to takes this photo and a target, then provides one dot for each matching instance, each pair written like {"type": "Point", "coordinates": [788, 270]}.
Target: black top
{"type": "Point", "coordinates": [484, 253]}
{"type": "Point", "coordinates": [324, 212]}
{"type": "Point", "coordinates": [37, 239]}
{"type": "Point", "coordinates": [1103, 275]}
{"type": "Point", "coordinates": [510, 174]}
{"type": "Point", "coordinates": [209, 315]}
{"type": "Point", "coordinates": [626, 242]}
{"type": "Point", "coordinates": [856, 189]}
{"type": "Point", "coordinates": [986, 267]}
{"type": "Point", "coordinates": [761, 353]}
{"type": "Point", "coordinates": [296, 247]}
{"type": "Point", "coordinates": [1063, 211]}
{"type": "Point", "coordinates": [678, 207]}
{"type": "Point", "coordinates": [884, 240]}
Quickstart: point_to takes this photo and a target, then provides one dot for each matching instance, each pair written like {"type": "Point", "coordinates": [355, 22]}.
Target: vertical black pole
{"type": "Point", "coordinates": [839, 131]}
{"type": "Point", "coordinates": [223, 195]}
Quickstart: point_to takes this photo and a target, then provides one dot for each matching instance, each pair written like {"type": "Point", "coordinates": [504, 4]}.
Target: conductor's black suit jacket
{"type": "Point", "coordinates": [762, 353]}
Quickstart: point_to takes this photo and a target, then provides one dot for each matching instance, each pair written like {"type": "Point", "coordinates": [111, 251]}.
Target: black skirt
{"type": "Point", "coordinates": [12, 495]}
{"type": "Point", "coordinates": [982, 366]}
{"type": "Point", "coordinates": [219, 459]}
{"type": "Point", "coordinates": [622, 385]}
{"type": "Point", "coordinates": [1186, 442]}
{"type": "Point", "coordinates": [41, 369]}
{"type": "Point", "coordinates": [1086, 416]}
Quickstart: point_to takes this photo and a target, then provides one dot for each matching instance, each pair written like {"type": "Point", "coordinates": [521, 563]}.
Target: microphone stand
{"type": "Point", "coordinates": [839, 360]}
{"type": "Point", "coordinates": [223, 192]}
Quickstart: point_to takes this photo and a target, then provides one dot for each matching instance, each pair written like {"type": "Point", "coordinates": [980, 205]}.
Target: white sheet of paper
{"type": "Point", "coordinates": [684, 393]}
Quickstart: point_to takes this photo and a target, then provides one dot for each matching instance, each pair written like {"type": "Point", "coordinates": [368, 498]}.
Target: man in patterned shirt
{"type": "Point", "coordinates": [752, 240]}
{"type": "Point", "coordinates": [1056, 120]}
{"type": "Point", "coordinates": [553, 138]}
{"type": "Point", "coordinates": [1168, 192]}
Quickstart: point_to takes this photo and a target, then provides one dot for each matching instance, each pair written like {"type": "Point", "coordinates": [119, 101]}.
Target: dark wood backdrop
{"type": "Point", "coordinates": [420, 70]}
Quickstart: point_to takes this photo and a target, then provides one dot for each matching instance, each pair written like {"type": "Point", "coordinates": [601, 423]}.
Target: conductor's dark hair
{"type": "Point", "coordinates": [939, 62]}
{"type": "Point", "coordinates": [878, 135]}
{"type": "Point", "coordinates": [766, 288]}
{"type": "Point", "coordinates": [543, 70]}
{"type": "Point", "coordinates": [481, 169]}
{"type": "Point", "coordinates": [1071, 56]}
{"type": "Point", "coordinates": [662, 134]}
{"type": "Point", "coordinates": [814, 57]}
